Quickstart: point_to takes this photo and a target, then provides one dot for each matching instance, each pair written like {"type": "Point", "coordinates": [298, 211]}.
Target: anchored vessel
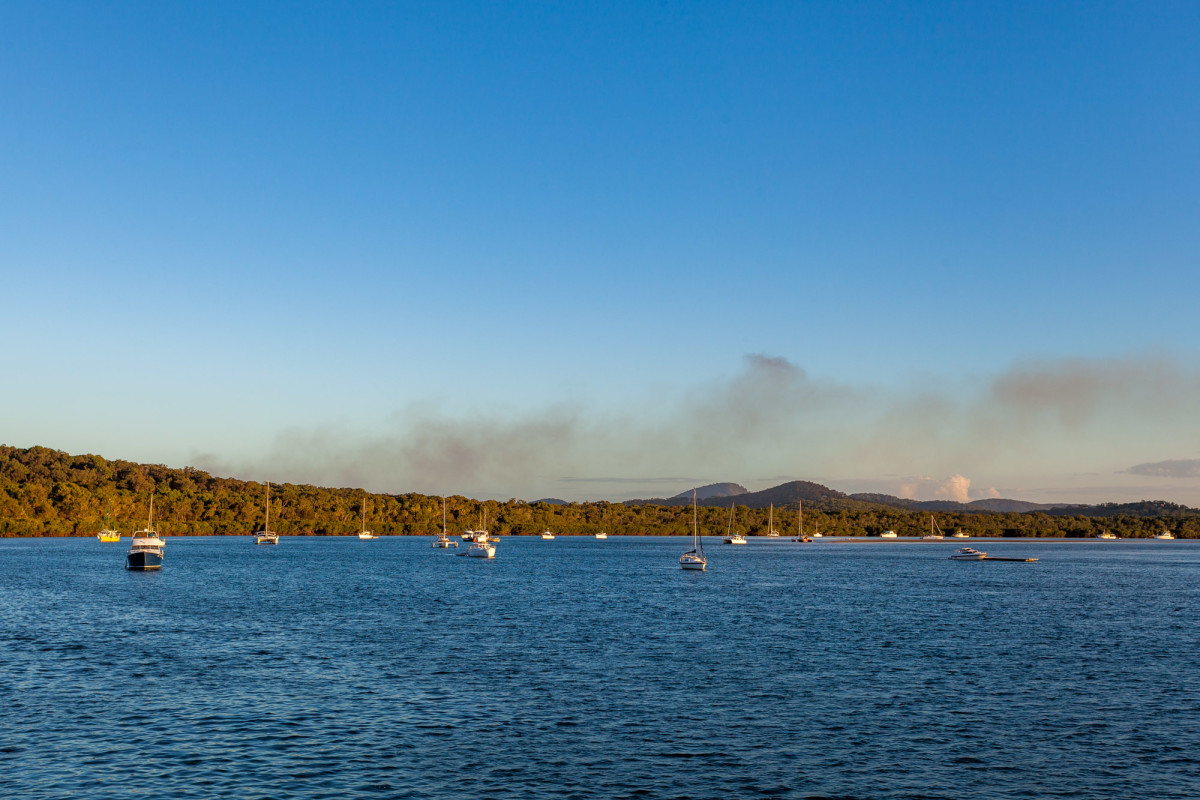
{"type": "Point", "coordinates": [730, 536]}
{"type": "Point", "coordinates": [146, 551]}
{"type": "Point", "coordinates": [771, 523]}
{"type": "Point", "coordinates": [694, 558]}
{"type": "Point", "coordinates": [800, 537]}
{"type": "Point", "coordinates": [547, 535]}
{"type": "Point", "coordinates": [108, 534]}
{"type": "Point", "coordinates": [265, 536]}
{"type": "Point", "coordinates": [968, 554]}
{"type": "Point", "coordinates": [442, 540]}
{"type": "Point", "coordinates": [935, 532]}
{"type": "Point", "coordinates": [364, 533]}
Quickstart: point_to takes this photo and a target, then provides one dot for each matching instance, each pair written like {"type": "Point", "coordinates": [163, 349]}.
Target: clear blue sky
{"type": "Point", "coordinates": [609, 250]}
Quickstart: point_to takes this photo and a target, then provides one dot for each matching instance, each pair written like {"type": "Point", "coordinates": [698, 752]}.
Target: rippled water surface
{"type": "Point", "coordinates": [333, 667]}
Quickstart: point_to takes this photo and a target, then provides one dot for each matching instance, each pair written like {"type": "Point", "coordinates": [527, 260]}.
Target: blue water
{"type": "Point", "coordinates": [336, 668]}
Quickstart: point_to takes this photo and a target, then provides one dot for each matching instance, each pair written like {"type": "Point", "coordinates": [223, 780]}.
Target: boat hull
{"type": "Point", "coordinates": [143, 560]}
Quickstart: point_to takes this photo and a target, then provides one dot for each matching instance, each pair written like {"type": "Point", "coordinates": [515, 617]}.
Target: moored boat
{"type": "Point", "coordinates": [601, 535]}
{"type": "Point", "coordinates": [442, 540]}
{"type": "Point", "coordinates": [732, 537]}
{"type": "Point", "coordinates": [968, 554]}
{"type": "Point", "coordinates": [108, 534]}
{"type": "Point", "coordinates": [1165, 535]}
{"type": "Point", "coordinates": [935, 533]}
{"type": "Point", "coordinates": [547, 535]}
{"type": "Point", "coordinates": [146, 550]}
{"type": "Point", "coordinates": [265, 536]}
{"type": "Point", "coordinates": [888, 535]}
{"type": "Point", "coordinates": [364, 533]}
{"type": "Point", "coordinates": [694, 558]}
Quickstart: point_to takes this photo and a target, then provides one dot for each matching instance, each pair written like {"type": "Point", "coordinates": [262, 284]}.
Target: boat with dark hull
{"type": "Point", "coordinates": [146, 551]}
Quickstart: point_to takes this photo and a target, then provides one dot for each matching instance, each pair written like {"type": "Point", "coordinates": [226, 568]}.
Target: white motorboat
{"type": "Point", "coordinates": [888, 535]}
{"type": "Point", "coordinates": [601, 535]}
{"type": "Point", "coordinates": [730, 536]}
{"type": "Point", "coordinates": [547, 535]}
{"type": "Point", "coordinates": [146, 550]}
{"type": "Point", "coordinates": [935, 533]}
{"type": "Point", "coordinates": [442, 540]}
{"type": "Point", "coordinates": [265, 536]}
{"type": "Point", "coordinates": [968, 554]}
{"type": "Point", "coordinates": [481, 549]}
{"type": "Point", "coordinates": [364, 533]}
{"type": "Point", "coordinates": [1165, 535]}
{"type": "Point", "coordinates": [694, 558]}
{"type": "Point", "coordinates": [1106, 535]}
{"type": "Point", "coordinates": [958, 534]}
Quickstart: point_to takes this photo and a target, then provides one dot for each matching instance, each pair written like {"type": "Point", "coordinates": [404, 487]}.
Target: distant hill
{"type": "Point", "coordinates": [554, 501]}
{"type": "Point", "coordinates": [990, 505]}
{"type": "Point", "coordinates": [712, 490]}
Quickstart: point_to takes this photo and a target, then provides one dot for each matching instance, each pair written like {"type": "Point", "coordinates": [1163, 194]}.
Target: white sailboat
{"type": "Point", "coordinates": [771, 532]}
{"type": "Point", "coordinates": [730, 536]}
{"type": "Point", "coordinates": [442, 540]}
{"type": "Point", "coordinates": [694, 558]}
{"type": "Point", "coordinates": [935, 533]}
{"type": "Point", "coordinates": [265, 536]}
{"type": "Point", "coordinates": [364, 533]}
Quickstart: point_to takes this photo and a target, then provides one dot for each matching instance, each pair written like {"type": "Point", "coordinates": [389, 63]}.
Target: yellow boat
{"type": "Point", "coordinates": [108, 535]}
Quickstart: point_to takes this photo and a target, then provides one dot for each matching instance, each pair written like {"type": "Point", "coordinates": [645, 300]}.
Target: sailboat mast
{"type": "Point", "coordinates": [443, 516]}
{"type": "Point", "coordinates": [267, 525]}
{"type": "Point", "coordinates": [800, 519]}
{"type": "Point", "coordinates": [150, 519]}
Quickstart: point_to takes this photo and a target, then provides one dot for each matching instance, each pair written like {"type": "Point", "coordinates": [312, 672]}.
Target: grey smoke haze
{"type": "Point", "coordinates": [1175, 468]}
{"type": "Point", "coordinates": [1044, 418]}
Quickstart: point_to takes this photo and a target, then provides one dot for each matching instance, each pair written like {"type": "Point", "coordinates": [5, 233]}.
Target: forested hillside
{"type": "Point", "coordinates": [46, 492]}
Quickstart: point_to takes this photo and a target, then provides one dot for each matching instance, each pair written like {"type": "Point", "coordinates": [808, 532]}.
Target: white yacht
{"type": "Point", "coordinates": [730, 536]}
{"type": "Point", "coordinates": [1106, 535]}
{"type": "Point", "coordinates": [958, 534]}
{"type": "Point", "coordinates": [968, 554]}
{"type": "Point", "coordinates": [888, 535]}
{"type": "Point", "coordinates": [482, 547]}
{"type": "Point", "coordinates": [601, 535]}
{"type": "Point", "coordinates": [935, 533]}
{"type": "Point", "coordinates": [547, 535]}
{"type": "Point", "coordinates": [1165, 535]}
{"type": "Point", "coordinates": [265, 536]}
{"type": "Point", "coordinates": [442, 540]}
{"type": "Point", "coordinates": [364, 533]}
{"type": "Point", "coordinates": [694, 558]}
{"type": "Point", "coordinates": [146, 551]}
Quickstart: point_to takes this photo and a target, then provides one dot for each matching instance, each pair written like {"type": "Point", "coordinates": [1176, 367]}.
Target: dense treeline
{"type": "Point", "coordinates": [46, 492]}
